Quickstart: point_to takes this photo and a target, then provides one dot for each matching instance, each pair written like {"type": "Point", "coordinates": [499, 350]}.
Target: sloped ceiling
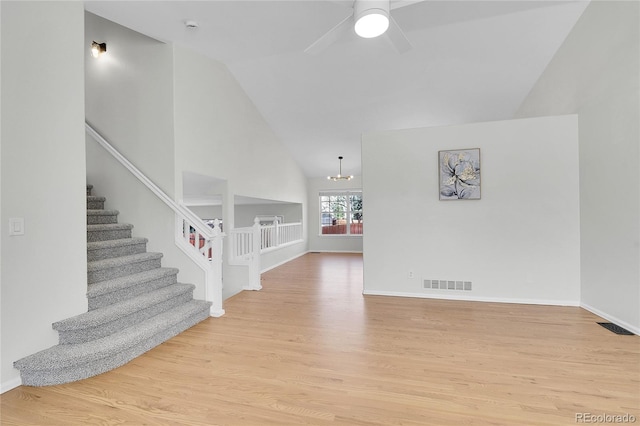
{"type": "Point", "coordinates": [471, 61]}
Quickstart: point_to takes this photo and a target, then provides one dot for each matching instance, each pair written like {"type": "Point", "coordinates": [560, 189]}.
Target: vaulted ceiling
{"type": "Point", "coordinates": [470, 61]}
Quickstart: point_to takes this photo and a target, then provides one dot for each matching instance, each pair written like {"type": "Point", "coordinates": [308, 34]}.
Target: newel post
{"type": "Point", "coordinates": [276, 232]}
{"type": "Point", "coordinates": [254, 266]}
{"type": "Point", "coordinates": [214, 277]}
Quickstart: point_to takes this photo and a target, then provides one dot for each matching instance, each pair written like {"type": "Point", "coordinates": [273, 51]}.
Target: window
{"type": "Point", "coordinates": [341, 213]}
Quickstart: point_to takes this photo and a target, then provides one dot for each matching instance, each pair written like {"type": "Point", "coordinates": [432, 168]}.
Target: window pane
{"type": "Point", "coordinates": [356, 214]}
{"type": "Point", "coordinates": [341, 214]}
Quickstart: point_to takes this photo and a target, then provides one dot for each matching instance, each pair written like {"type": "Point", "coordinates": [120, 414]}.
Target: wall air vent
{"type": "Point", "coordinates": [447, 285]}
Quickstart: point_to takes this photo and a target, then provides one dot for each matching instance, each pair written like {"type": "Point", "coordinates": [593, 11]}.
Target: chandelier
{"type": "Point", "coordinates": [340, 177]}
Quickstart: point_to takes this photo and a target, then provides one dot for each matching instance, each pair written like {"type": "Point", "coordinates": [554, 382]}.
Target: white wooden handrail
{"type": "Point", "coordinates": [278, 235]}
{"type": "Point", "coordinates": [209, 256]}
{"type": "Point", "coordinates": [247, 244]}
{"type": "Point", "coordinates": [178, 209]}
{"type": "Point", "coordinates": [244, 249]}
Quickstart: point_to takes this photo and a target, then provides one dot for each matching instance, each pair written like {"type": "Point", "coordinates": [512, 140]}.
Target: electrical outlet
{"type": "Point", "coordinates": [410, 274]}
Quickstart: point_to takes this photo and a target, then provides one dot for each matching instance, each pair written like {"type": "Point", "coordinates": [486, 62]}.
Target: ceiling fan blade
{"type": "Point", "coordinates": [331, 36]}
{"type": "Point", "coordinates": [397, 37]}
{"type": "Point", "coordinates": [345, 3]}
{"type": "Point", "coordinates": [402, 3]}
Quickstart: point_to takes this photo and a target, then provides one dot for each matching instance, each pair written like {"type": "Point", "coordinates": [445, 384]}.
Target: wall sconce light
{"type": "Point", "coordinates": [97, 49]}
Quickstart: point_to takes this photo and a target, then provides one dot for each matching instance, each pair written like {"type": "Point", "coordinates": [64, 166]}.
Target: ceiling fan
{"type": "Point", "coordinates": [370, 18]}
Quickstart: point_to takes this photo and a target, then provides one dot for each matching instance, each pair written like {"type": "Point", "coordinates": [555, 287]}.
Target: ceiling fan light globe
{"type": "Point", "coordinates": [372, 23]}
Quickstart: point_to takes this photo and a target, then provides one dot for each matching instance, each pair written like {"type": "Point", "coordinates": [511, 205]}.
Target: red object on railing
{"type": "Point", "coordinates": [192, 241]}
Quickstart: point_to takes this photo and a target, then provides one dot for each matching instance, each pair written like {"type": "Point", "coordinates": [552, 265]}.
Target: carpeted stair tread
{"type": "Point", "coordinates": [126, 314]}
{"type": "Point", "coordinates": [108, 227]}
{"type": "Point", "coordinates": [99, 250]}
{"type": "Point", "coordinates": [124, 308]}
{"type": "Point", "coordinates": [134, 305]}
{"type": "Point", "coordinates": [69, 355]}
{"type": "Point", "coordinates": [128, 286]}
{"type": "Point", "coordinates": [94, 202]}
{"type": "Point", "coordinates": [102, 212]}
{"type": "Point", "coordinates": [65, 363]}
{"type": "Point", "coordinates": [120, 283]}
{"type": "Point", "coordinates": [97, 245]}
{"type": "Point", "coordinates": [58, 375]}
{"type": "Point", "coordinates": [108, 231]}
{"type": "Point", "coordinates": [114, 267]}
{"type": "Point", "coordinates": [115, 262]}
{"type": "Point", "coordinates": [101, 216]}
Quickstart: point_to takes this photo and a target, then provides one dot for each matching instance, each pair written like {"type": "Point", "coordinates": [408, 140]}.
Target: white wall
{"type": "Point", "coordinates": [2, 384]}
{"type": "Point", "coordinates": [519, 243]}
{"type": "Point", "coordinates": [129, 100]}
{"type": "Point", "coordinates": [246, 213]}
{"type": "Point", "coordinates": [220, 133]}
{"type": "Point", "coordinates": [332, 243]}
{"type": "Point", "coordinates": [207, 212]}
{"type": "Point", "coordinates": [596, 75]}
{"type": "Point", "coordinates": [44, 272]}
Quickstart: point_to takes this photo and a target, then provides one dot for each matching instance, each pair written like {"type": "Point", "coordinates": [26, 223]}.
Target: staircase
{"type": "Point", "coordinates": [134, 305]}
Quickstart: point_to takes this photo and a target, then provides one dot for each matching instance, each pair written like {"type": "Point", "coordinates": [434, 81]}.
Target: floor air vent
{"type": "Point", "coordinates": [616, 328]}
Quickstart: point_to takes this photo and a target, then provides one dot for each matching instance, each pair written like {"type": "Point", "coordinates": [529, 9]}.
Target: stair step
{"type": "Point", "coordinates": [107, 269]}
{"type": "Point", "coordinates": [105, 293]}
{"type": "Point", "coordinates": [66, 363]}
{"type": "Point", "coordinates": [99, 250]}
{"type": "Point", "coordinates": [134, 305]}
{"type": "Point", "coordinates": [102, 322]}
{"type": "Point", "coordinates": [109, 231]}
{"type": "Point", "coordinates": [95, 217]}
{"type": "Point", "coordinates": [94, 202]}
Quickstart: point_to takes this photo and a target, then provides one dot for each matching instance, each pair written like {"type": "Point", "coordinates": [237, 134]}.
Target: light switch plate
{"type": "Point", "coordinates": [16, 226]}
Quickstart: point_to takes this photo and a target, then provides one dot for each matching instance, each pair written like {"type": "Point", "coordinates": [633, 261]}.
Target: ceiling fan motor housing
{"type": "Point", "coordinates": [364, 8]}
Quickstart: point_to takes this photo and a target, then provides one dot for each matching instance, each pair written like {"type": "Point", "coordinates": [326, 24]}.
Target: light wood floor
{"type": "Point", "coordinates": [310, 349]}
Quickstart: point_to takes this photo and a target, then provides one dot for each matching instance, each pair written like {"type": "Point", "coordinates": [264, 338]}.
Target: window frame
{"type": "Point", "coordinates": [347, 193]}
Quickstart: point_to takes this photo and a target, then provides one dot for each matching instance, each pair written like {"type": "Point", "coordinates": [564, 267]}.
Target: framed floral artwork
{"type": "Point", "coordinates": [459, 174]}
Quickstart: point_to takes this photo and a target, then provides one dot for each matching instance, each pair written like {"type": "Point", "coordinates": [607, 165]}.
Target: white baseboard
{"type": "Point", "coordinates": [10, 384]}
{"type": "Point", "coordinates": [611, 318]}
{"type": "Point", "coordinates": [283, 262]}
{"type": "Point", "coordinates": [336, 251]}
{"type": "Point", "coordinates": [474, 298]}
{"type": "Point", "coordinates": [216, 313]}
{"type": "Point", "coordinates": [248, 287]}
